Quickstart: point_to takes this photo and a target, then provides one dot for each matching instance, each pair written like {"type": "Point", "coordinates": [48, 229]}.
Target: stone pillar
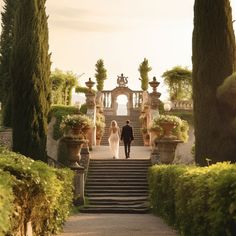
{"type": "Point", "coordinates": [154, 100]}
{"type": "Point", "coordinates": [79, 185]}
{"type": "Point", "coordinates": [91, 111]}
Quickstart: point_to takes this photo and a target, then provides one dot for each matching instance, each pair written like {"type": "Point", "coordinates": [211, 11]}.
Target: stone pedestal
{"type": "Point", "coordinates": [166, 148]}
{"type": "Point", "coordinates": [79, 185]}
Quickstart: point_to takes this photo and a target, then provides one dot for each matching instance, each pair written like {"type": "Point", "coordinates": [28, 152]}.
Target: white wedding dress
{"type": "Point", "coordinates": [114, 144]}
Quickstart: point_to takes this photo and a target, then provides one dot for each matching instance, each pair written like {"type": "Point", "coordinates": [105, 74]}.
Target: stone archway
{"type": "Point", "coordinates": [122, 105]}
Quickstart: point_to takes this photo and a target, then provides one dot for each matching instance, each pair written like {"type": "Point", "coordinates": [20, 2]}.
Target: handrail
{"type": "Point", "coordinates": [54, 163]}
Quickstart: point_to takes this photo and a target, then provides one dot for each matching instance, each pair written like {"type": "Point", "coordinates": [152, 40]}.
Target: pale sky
{"type": "Point", "coordinates": [122, 33]}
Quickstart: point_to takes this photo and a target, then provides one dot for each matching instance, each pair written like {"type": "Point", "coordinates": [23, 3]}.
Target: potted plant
{"type": "Point", "coordinates": [76, 125]}
{"type": "Point", "coordinates": [171, 127]}
{"type": "Point", "coordinates": [173, 130]}
{"type": "Point", "coordinates": [76, 128]}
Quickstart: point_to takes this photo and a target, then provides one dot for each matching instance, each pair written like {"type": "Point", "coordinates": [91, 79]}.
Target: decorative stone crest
{"type": "Point", "coordinates": [122, 81]}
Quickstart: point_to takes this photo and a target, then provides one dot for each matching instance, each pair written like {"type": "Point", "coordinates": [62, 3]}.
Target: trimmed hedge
{"type": "Point", "coordinates": [42, 195]}
{"type": "Point", "coordinates": [196, 200]}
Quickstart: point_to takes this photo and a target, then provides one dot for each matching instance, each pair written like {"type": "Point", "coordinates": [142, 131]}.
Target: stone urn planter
{"type": "Point", "coordinates": [74, 146]}
{"type": "Point", "coordinates": [173, 131]}
{"type": "Point", "coordinates": [166, 148]}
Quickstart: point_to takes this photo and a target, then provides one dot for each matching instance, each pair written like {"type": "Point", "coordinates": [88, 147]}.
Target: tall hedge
{"type": "Point", "coordinates": [213, 61]}
{"type": "Point", "coordinates": [196, 200]}
{"type": "Point", "coordinates": [6, 43]}
{"type": "Point", "coordinates": [30, 72]}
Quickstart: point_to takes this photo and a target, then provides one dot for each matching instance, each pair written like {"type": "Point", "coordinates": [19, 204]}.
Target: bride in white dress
{"type": "Point", "coordinates": [114, 138]}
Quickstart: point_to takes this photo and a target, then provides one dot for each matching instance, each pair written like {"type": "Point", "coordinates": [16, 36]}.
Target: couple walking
{"type": "Point", "coordinates": [114, 137]}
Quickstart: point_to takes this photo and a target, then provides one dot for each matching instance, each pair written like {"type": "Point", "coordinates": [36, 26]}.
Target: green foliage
{"type": "Point", "coordinates": [83, 108]}
{"type": "Point", "coordinates": [101, 74]}
{"type": "Point", "coordinates": [144, 68]}
{"type": "Point", "coordinates": [81, 122]}
{"type": "Point", "coordinates": [197, 200]}
{"type": "Point", "coordinates": [62, 85]}
{"type": "Point", "coordinates": [59, 111]}
{"type": "Point", "coordinates": [7, 36]}
{"type": "Point", "coordinates": [179, 82]}
{"type": "Point", "coordinates": [100, 125]}
{"type": "Point", "coordinates": [31, 87]}
{"type": "Point", "coordinates": [180, 129]}
{"type": "Point", "coordinates": [42, 195]}
{"type": "Point", "coordinates": [6, 203]}
{"type": "Point", "coordinates": [226, 92]}
{"type": "Point", "coordinates": [80, 89]}
{"type": "Point", "coordinates": [184, 115]}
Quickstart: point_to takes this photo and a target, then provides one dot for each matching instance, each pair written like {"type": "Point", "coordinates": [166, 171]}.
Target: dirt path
{"type": "Point", "coordinates": [116, 225]}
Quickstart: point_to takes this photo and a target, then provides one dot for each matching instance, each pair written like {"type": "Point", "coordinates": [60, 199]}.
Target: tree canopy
{"type": "Point", "coordinates": [62, 85]}
{"type": "Point", "coordinates": [179, 82]}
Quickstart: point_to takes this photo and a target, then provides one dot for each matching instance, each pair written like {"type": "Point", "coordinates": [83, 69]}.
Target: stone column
{"type": "Point", "coordinates": [79, 185]}
{"type": "Point", "coordinates": [154, 100]}
{"type": "Point", "coordinates": [91, 111]}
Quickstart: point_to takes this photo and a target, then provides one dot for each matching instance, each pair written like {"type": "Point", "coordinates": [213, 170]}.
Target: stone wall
{"type": "Point", "coordinates": [183, 151]}
{"type": "Point", "coordinates": [6, 138]}
{"type": "Point", "coordinates": [52, 144]}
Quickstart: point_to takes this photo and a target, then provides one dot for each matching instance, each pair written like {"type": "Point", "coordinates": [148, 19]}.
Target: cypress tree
{"type": "Point", "coordinates": [30, 72]}
{"type": "Point", "coordinates": [144, 69]}
{"type": "Point", "coordinates": [101, 74]}
{"type": "Point", "coordinates": [8, 19]}
{"type": "Point", "coordinates": [213, 60]}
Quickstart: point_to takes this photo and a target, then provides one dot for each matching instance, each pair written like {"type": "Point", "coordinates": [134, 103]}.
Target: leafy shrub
{"type": "Point", "coordinates": [197, 200]}
{"type": "Point", "coordinates": [6, 202]}
{"type": "Point", "coordinates": [59, 112]}
{"type": "Point", "coordinates": [180, 129]}
{"type": "Point", "coordinates": [42, 195]}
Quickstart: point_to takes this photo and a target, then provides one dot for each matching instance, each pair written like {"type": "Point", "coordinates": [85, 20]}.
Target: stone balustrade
{"type": "Point", "coordinates": [182, 105]}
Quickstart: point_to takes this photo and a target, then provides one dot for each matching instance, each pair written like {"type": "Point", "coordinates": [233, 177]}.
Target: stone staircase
{"type": "Point", "coordinates": [121, 121]}
{"type": "Point", "coordinates": [117, 186]}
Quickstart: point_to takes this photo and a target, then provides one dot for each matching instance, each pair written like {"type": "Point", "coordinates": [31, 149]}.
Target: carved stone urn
{"type": "Point", "coordinates": [74, 146]}
{"type": "Point", "coordinates": [166, 148]}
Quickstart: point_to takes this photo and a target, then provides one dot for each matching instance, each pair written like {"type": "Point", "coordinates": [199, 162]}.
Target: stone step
{"type": "Point", "coordinates": [119, 194]}
{"type": "Point", "coordinates": [127, 161]}
{"type": "Point", "coordinates": [118, 199]}
{"type": "Point", "coordinates": [115, 183]}
{"type": "Point", "coordinates": [117, 191]}
{"type": "Point", "coordinates": [125, 210]}
{"type": "Point", "coordinates": [117, 186]}
{"type": "Point", "coordinates": [104, 176]}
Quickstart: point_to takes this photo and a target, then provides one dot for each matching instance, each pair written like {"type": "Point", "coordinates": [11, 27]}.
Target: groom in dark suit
{"type": "Point", "coordinates": [127, 137]}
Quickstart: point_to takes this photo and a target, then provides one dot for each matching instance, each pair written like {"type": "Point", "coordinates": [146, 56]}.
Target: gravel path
{"type": "Point", "coordinates": [116, 225]}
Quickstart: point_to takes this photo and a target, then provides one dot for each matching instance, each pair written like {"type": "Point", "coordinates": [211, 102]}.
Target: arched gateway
{"type": "Point", "coordinates": [110, 106]}
{"type": "Point", "coordinates": [134, 97]}
{"type": "Point", "coordinates": [138, 102]}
